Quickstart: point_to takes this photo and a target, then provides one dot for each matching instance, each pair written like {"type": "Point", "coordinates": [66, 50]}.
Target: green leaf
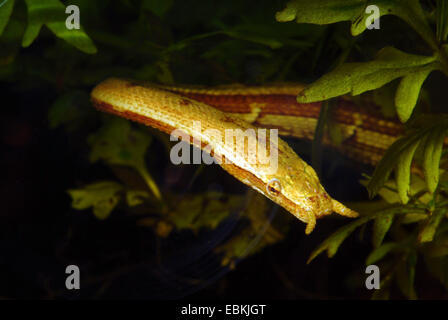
{"type": "Point", "coordinates": [381, 226]}
{"type": "Point", "coordinates": [157, 7]}
{"type": "Point", "coordinates": [70, 110]}
{"type": "Point", "coordinates": [384, 97]}
{"type": "Point", "coordinates": [332, 243]}
{"type": "Point", "coordinates": [381, 251]}
{"type": "Point", "coordinates": [273, 35]}
{"type": "Point", "coordinates": [102, 196]}
{"type": "Point", "coordinates": [320, 11]}
{"type": "Point", "coordinates": [408, 92]}
{"type": "Point", "coordinates": [52, 14]}
{"type": "Point", "coordinates": [402, 150]}
{"type": "Point", "coordinates": [330, 11]}
{"type": "Point", "coordinates": [359, 22]}
{"type": "Point", "coordinates": [390, 159]}
{"type": "Point", "coordinates": [254, 37]}
{"type": "Point", "coordinates": [413, 218]}
{"type": "Point", "coordinates": [6, 7]}
{"type": "Point", "coordinates": [136, 197]}
{"type": "Point", "coordinates": [437, 248]}
{"type": "Point", "coordinates": [429, 229]}
{"type": "Point", "coordinates": [316, 148]}
{"type": "Point", "coordinates": [408, 10]}
{"type": "Point", "coordinates": [403, 171]}
{"type": "Point", "coordinates": [405, 276]}
{"type": "Point", "coordinates": [205, 210]}
{"type": "Point", "coordinates": [442, 20]}
{"type": "Point", "coordinates": [356, 78]}
{"type": "Point", "coordinates": [390, 194]}
{"type": "Point", "coordinates": [116, 142]}
{"type": "Point", "coordinates": [431, 157]}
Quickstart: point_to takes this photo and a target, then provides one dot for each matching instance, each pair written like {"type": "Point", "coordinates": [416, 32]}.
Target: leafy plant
{"type": "Point", "coordinates": [404, 203]}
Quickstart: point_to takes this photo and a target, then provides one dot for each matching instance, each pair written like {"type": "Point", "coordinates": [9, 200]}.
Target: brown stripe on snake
{"type": "Point", "coordinates": [281, 104]}
{"type": "Point", "coordinates": [366, 134]}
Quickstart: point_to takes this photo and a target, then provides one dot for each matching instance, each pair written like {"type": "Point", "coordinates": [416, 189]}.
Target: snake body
{"type": "Point", "coordinates": [294, 185]}
{"type": "Point", "coordinates": [365, 133]}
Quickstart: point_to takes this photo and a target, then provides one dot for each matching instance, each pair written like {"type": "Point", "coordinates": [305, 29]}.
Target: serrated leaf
{"type": "Point", "coordinates": [408, 92]}
{"type": "Point", "coordinates": [429, 229]}
{"type": "Point", "coordinates": [407, 10]}
{"type": "Point", "coordinates": [102, 196]}
{"type": "Point", "coordinates": [356, 78]}
{"type": "Point", "coordinates": [6, 7]}
{"type": "Point", "coordinates": [431, 158]}
{"type": "Point", "coordinates": [403, 172]}
{"type": "Point", "coordinates": [359, 22]}
{"type": "Point", "coordinates": [381, 226]}
{"type": "Point", "coordinates": [52, 14]}
{"type": "Point", "coordinates": [332, 243]}
{"type": "Point", "coordinates": [330, 11]}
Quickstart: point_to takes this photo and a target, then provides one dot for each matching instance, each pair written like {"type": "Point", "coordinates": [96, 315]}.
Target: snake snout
{"type": "Point", "coordinates": [322, 204]}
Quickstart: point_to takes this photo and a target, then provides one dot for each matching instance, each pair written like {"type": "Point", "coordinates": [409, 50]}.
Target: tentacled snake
{"type": "Point", "coordinates": [295, 185]}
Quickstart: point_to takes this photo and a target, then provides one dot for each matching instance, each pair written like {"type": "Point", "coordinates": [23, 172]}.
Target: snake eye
{"type": "Point", "coordinates": [273, 187]}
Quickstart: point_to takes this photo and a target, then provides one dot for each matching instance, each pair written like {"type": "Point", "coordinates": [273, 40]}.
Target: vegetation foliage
{"type": "Point", "coordinates": [426, 133]}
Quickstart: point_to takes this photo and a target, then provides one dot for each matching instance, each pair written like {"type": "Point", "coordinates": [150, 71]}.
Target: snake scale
{"type": "Point", "coordinates": [294, 185]}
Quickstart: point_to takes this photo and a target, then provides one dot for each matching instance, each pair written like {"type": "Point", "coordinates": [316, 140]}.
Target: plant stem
{"type": "Point", "coordinates": [418, 22]}
{"type": "Point", "coordinates": [150, 182]}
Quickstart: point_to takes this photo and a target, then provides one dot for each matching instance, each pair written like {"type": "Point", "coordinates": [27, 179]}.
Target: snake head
{"type": "Point", "coordinates": [299, 191]}
{"type": "Point", "coordinates": [321, 205]}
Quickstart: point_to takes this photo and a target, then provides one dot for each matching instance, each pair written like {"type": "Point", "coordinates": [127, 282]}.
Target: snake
{"type": "Point", "coordinates": [294, 184]}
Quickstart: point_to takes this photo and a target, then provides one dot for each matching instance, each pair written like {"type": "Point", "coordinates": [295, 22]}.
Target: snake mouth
{"type": "Point", "coordinates": [321, 204]}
